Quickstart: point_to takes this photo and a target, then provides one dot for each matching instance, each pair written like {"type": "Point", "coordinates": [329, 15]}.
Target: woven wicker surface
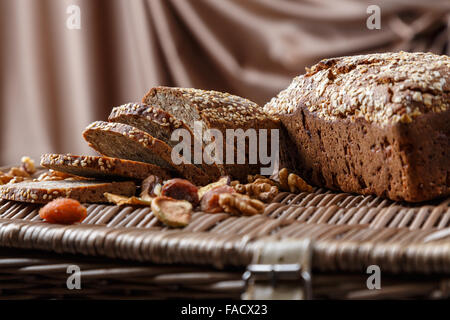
{"type": "Point", "coordinates": [350, 232]}
{"type": "Point", "coordinates": [207, 258]}
{"type": "Point", "coordinates": [30, 275]}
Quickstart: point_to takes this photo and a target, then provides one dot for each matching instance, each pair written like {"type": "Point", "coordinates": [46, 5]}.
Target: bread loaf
{"type": "Point", "coordinates": [217, 110]}
{"type": "Point", "coordinates": [372, 124]}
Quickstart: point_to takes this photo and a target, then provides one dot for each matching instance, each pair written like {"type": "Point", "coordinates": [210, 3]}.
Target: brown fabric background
{"type": "Point", "coordinates": [54, 81]}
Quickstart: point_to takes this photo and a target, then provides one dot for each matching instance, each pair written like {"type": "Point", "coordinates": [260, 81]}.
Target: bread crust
{"type": "Point", "coordinates": [102, 167]}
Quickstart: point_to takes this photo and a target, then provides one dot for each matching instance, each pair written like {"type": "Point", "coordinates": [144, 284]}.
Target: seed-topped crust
{"type": "Point", "coordinates": [154, 114]}
{"type": "Point", "coordinates": [381, 88]}
{"type": "Point", "coordinates": [102, 167]}
{"type": "Point", "coordinates": [126, 142]}
{"type": "Point", "coordinates": [218, 109]}
{"type": "Point", "coordinates": [84, 191]}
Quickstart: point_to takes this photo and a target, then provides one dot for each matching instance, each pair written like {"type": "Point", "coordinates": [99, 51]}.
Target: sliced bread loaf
{"type": "Point", "coordinates": [127, 142]}
{"type": "Point", "coordinates": [102, 167]}
{"type": "Point", "coordinates": [85, 191]}
{"type": "Point", "coordinates": [160, 124]}
{"type": "Point", "coordinates": [220, 111]}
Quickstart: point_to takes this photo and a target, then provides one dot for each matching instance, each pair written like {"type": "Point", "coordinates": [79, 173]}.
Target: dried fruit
{"type": "Point", "coordinates": [151, 188]}
{"type": "Point", "coordinates": [210, 200]}
{"type": "Point", "coordinates": [223, 181]}
{"type": "Point", "coordinates": [64, 211]}
{"type": "Point", "coordinates": [122, 200]}
{"type": "Point", "coordinates": [181, 189]}
{"type": "Point", "coordinates": [239, 204]}
{"type": "Point", "coordinates": [174, 213]}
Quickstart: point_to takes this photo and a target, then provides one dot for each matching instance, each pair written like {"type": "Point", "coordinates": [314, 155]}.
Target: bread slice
{"type": "Point", "coordinates": [126, 142]}
{"type": "Point", "coordinates": [160, 124]}
{"type": "Point", "coordinates": [217, 110]}
{"type": "Point", "coordinates": [102, 167]}
{"type": "Point", "coordinates": [85, 191]}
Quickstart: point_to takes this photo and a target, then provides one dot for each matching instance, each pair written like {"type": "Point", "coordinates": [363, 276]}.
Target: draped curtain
{"type": "Point", "coordinates": [54, 81]}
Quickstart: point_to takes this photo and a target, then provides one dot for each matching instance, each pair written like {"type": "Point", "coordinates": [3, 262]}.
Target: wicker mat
{"type": "Point", "coordinates": [349, 232]}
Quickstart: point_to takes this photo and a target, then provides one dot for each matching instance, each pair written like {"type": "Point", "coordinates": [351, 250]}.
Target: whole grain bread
{"type": "Point", "coordinates": [222, 111]}
{"type": "Point", "coordinates": [102, 167]}
{"type": "Point", "coordinates": [126, 142]}
{"type": "Point", "coordinates": [159, 124]}
{"type": "Point", "coordinates": [372, 124]}
{"type": "Point", "coordinates": [85, 191]}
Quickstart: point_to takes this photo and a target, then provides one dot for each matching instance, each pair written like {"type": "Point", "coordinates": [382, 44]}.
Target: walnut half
{"type": "Point", "coordinates": [239, 204]}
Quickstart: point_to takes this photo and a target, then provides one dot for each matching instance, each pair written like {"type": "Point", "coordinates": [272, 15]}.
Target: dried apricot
{"type": "Point", "coordinates": [210, 200]}
{"type": "Point", "coordinates": [64, 211]}
{"type": "Point", "coordinates": [181, 189]}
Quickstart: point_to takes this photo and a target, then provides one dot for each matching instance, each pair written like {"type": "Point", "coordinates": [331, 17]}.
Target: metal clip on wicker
{"type": "Point", "coordinates": [282, 270]}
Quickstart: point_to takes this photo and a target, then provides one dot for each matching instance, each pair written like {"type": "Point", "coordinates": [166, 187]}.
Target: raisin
{"type": "Point", "coordinates": [210, 200]}
{"type": "Point", "coordinates": [64, 211]}
{"type": "Point", "coordinates": [181, 189]}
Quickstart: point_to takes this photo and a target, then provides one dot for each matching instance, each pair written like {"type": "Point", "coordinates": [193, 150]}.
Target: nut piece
{"type": "Point", "coordinates": [122, 200]}
{"type": "Point", "coordinates": [5, 178]}
{"type": "Point", "coordinates": [151, 187]}
{"type": "Point", "coordinates": [53, 175]}
{"type": "Point", "coordinates": [28, 165]}
{"type": "Point", "coordinates": [292, 182]}
{"type": "Point", "coordinates": [223, 181]}
{"type": "Point", "coordinates": [210, 200]}
{"type": "Point", "coordinates": [181, 189]}
{"type": "Point", "coordinates": [283, 175]}
{"type": "Point", "coordinates": [18, 172]}
{"type": "Point", "coordinates": [258, 189]}
{"type": "Point", "coordinates": [64, 211]}
{"type": "Point", "coordinates": [239, 204]}
{"type": "Point", "coordinates": [297, 184]}
{"type": "Point", "coordinates": [174, 213]}
{"type": "Point", "coordinates": [253, 178]}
